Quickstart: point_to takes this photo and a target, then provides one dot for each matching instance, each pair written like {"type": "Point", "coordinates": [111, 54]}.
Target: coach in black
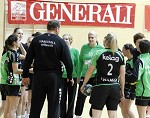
{"type": "Point", "coordinates": [48, 52]}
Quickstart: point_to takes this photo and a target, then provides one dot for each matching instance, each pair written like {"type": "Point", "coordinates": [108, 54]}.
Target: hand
{"type": "Point", "coordinates": [122, 99]}
{"type": "Point", "coordinates": [25, 81]}
{"type": "Point", "coordinates": [72, 81]}
{"type": "Point", "coordinates": [122, 96]}
{"type": "Point", "coordinates": [78, 80]}
{"type": "Point", "coordinates": [31, 70]}
{"type": "Point", "coordinates": [81, 89]}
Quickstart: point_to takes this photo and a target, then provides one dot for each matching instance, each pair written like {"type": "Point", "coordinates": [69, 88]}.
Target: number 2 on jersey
{"type": "Point", "coordinates": [110, 70]}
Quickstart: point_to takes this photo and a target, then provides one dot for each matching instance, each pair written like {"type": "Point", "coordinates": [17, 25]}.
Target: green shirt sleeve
{"type": "Point", "coordinates": [80, 64]}
{"type": "Point", "coordinates": [141, 70]}
{"type": "Point", "coordinates": [76, 63]}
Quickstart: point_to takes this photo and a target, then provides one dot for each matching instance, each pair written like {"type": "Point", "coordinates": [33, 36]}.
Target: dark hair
{"type": "Point", "coordinates": [138, 36]}
{"type": "Point", "coordinates": [129, 46]}
{"type": "Point", "coordinates": [144, 46]}
{"type": "Point", "coordinates": [15, 30]}
{"type": "Point", "coordinates": [36, 34]}
{"type": "Point", "coordinates": [97, 42]}
{"type": "Point", "coordinates": [9, 41]}
{"type": "Point", "coordinates": [52, 24]}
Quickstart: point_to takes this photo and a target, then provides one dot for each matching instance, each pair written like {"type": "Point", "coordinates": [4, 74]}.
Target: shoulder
{"type": "Point", "coordinates": [100, 46]}
{"type": "Point", "coordinates": [139, 62]}
{"type": "Point", "coordinates": [120, 55]}
{"type": "Point", "coordinates": [100, 52]}
{"type": "Point", "coordinates": [134, 50]}
{"type": "Point", "coordinates": [12, 52]}
{"type": "Point", "coordinates": [4, 55]}
{"type": "Point", "coordinates": [75, 49]}
{"type": "Point", "coordinates": [84, 46]}
{"type": "Point", "coordinates": [25, 46]}
{"type": "Point", "coordinates": [48, 37]}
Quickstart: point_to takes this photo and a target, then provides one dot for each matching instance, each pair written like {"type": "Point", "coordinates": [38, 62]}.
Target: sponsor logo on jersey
{"type": "Point", "coordinates": [111, 80]}
{"type": "Point", "coordinates": [111, 58]}
{"type": "Point", "coordinates": [47, 43]}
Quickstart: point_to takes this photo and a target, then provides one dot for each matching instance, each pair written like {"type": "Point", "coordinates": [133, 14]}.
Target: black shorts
{"type": "Point", "coordinates": [13, 90]}
{"type": "Point", "coordinates": [140, 101]}
{"type": "Point", "coordinates": [149, 103]}
{"type": "Point", "coordinates": [129, 91]}
{"type": "Point", "coordinates": [108, 95]}
{"type": "Point", "coordinates": [3, 91]}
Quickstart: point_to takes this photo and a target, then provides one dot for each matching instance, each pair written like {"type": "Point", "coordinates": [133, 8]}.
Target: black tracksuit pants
{"type": "Point", "coordinates": [81, 99]}
{"type": "Point", "coordinates": [46, 84]}
{"type": "Point", "coordinates": [70, 91]}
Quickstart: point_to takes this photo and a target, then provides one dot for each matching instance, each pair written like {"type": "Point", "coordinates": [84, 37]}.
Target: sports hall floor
{"type": "Point", "coordinates": [86, 110]}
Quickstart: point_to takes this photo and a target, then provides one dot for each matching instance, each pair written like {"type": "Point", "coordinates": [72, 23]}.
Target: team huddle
{"type": "Point", "coordinates": [48, 66]}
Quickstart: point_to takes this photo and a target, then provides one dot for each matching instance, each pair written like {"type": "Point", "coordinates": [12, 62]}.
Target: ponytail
{"type": "Point", "coordinates": [6, 45]}
{"type": "Point", "coordinates": [111, 41]}
{"type": "Point", "coordinates": [5, 48]}
{"type": "Point", "coordinates": [113, 45]}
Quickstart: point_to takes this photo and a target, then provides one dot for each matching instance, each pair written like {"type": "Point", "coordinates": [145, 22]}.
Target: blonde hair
{"type": "Point", "coordinates": [93, 33]}
{"type": "Point", "coordinates": [69, 36]}
{"type": "Point", "coordinates": [111, 42]}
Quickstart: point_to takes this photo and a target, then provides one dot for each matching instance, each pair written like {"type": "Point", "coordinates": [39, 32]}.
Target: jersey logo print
{"type": "Point", "coordinates": [109, 57]}
{"type": "Point", "coordinates": [110, 80]}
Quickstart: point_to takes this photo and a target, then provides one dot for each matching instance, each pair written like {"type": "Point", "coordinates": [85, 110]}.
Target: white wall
{"type": "Point", "coordinates": [125, 35]}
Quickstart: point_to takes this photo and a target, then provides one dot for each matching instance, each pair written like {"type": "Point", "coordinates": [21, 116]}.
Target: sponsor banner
{"type": "Point", "coordinates": [70, 13]}
{"type": "Point", "coordinates": [147, 17]}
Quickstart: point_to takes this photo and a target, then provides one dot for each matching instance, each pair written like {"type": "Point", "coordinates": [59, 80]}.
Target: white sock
{"type": "Point", "coordinates": [27, 115]}
{"type": "Point", "coordinates": [23, 116]}
{"type": "Point", "coordinates": [78, 117]}
{"type": "Point", "coordinates": [147, 116]}
{"type": "Point", "coordinates": [18, 116]}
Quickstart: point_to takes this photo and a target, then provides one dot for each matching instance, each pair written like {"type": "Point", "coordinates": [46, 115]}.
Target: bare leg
{"type": "Point", "coordinates": [96, 113]}
{"type": "Point", "coordinates": [24, 102]}
{"type": "Point", "coordinates": [29, 101]}
{"type": "Point", "coordinates": [148, 112]}
{"type": "Point", "coordinates": [127, 109]}
{"type": "Point", "coordinates": [6, 112]}
{"type": "Point", "coordinates": [112, 114]}
{"type": "Point", "coordinates": [2, 108]}
{"type": "Point", "coordinates": [19, 109]}
{"type": "Point", "coordinates": [122, 108]}
{"type": "Point", "coordinates": [14, 100]}
{"type": "Point", "coordinates": [141, 111]}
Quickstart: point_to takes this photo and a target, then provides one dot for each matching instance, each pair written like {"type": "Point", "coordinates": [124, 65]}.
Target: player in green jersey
{"type": "Point", "coordinates": [86, 54]}
{"type": "Point", "coordinates": [69, 90]}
